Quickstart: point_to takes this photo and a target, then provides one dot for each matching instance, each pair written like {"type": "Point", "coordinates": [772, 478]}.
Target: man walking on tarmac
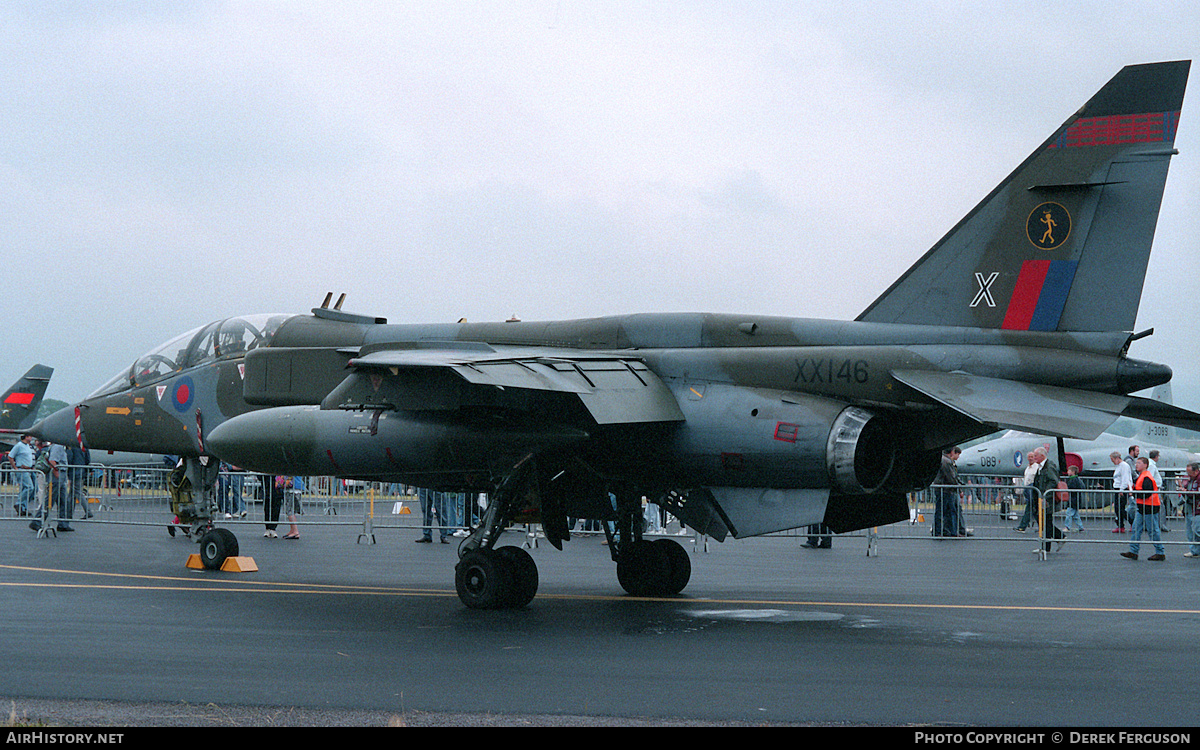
{"type": "Point", "coordinates": [1148, 504]}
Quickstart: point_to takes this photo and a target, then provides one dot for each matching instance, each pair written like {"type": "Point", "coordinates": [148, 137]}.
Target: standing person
{"type": "Point", "coordinates": [1122, 484]}
{"type": "Point", "coordinates": [1046, 483]}
{"type": "Point", "coordinates": [466, 522]}
{"type": "Point", "coordinates": [41, 477]}
{"type": "Point", "coordinates": [1131, 460]}
{"type": "Point", "coordinates": [272, 500]}
{"type": "Point", "coordinates": [432, 503]}
{"type": "Point", "coordinates": [56, 490]}
{"type": "Point", "coordinates": [1191, 508]}
{"type": "Point", "coordinates": [22, 456]}
{"type": "Point", "coordinates": [79, 460]}
{"type": "Point", "coordinates": [945, 515]}
{"type": "Point", "coordinates": [1030, 471]}
{"type": "Point", "coordinates": [1148, 505]}
{"type": "Point", "coordinates": [237, 479]}
{"type": "Point", "coordinates": [229, 491]}
{"type": "Point", "coordinates": [223, 491]}
{"type": "Point", "coordinates": [1075, 487]}
{"type": "Point", "coordinates": [455, 502]}
{"type": "Point", "coordinates": [1158, 482]}
{"type": "Point", "coordinates": [651, 516]}
{"type": "Point", "coordinates": [58, 479]}
{"type": "Point", "coordinates": [293, 492]}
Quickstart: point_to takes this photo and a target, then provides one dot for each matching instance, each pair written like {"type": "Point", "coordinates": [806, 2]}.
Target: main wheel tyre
{"type": "Point", "coordinates": [483, 579]}
{"type": "Point", "coordinates": [524, 575]}
{"type": "Point", "coordinates": [679, 565]}
{"type": "Point", "coordinates": [641, 568]}
{"type": "Point", "coordinates": [216, 546]}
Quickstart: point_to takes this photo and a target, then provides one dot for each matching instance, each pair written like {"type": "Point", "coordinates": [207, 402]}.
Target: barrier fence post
{"type": "Point", "coordinates": [368, 530]}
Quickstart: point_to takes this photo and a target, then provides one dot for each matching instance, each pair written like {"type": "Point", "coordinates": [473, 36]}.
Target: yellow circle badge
{"type": "Point", "coordinates": [1048, 226]}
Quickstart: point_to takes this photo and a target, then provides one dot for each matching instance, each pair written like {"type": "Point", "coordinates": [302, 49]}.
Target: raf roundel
{"type": "Point", "coordinates": [183, 394]}
{"type": "Point", "coordinates": [1048, 226]}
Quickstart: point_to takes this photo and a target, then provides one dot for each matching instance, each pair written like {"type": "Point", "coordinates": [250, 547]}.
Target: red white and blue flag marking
{"type": "Point", "coordinates": [1040, 295]}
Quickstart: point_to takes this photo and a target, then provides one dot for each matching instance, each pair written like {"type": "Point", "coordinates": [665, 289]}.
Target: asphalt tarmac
{"type": "Point", "coordinates": [105, 626]}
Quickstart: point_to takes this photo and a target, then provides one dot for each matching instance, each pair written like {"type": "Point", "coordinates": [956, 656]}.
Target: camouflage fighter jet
{"type": "Point", "coordinates": [1007, 454]}
{"type": "Point", "coordinates": [19, 404]}
{"type": "Point", "coordinates": [1020, 317]}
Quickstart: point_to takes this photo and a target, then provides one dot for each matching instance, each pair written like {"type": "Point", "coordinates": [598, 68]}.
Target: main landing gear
{"type": "Point", "coordinates": [653, 568]}
{"type": "Point", "coordinates": [492, 577]}
{"type": "Point", "coordinates": [645, 568]}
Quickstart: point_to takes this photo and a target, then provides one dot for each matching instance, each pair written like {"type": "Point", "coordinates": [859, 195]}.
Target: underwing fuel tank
{"type": "Point", "coordinates": [308, 440]}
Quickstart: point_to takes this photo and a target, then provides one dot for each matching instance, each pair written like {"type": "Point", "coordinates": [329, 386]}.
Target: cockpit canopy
{"type": "Point", "coordinates": [223, 339]}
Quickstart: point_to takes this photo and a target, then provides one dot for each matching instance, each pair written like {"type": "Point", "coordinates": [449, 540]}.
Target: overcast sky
{"type": "Point", "coordinates": [163, 165]}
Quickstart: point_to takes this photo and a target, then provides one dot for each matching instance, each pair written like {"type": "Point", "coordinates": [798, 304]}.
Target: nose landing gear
{"type": "Point", "coordinates": [192, 488]}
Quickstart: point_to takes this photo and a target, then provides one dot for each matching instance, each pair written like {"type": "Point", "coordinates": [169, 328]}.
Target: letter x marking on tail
{"type": "Point", "coordinates": [985, 287]}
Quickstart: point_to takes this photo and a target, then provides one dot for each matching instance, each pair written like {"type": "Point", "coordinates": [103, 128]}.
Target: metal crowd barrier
{"type": "Point", "coordinates": [139, 496]}
{"type": "Point", "coordinates": [991, 507]}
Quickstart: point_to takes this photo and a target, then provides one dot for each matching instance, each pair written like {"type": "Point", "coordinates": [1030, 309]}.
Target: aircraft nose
{"type": "Point", "coordinates": [58, 428]}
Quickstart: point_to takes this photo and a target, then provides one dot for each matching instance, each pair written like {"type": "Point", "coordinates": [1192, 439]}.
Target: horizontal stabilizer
{"type": "Point", "coordinates": [1149, 410]}
{"type": "Point", "coordinates": [1010, 404]}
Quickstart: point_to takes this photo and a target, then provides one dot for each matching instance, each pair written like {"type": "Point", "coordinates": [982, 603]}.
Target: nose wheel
{"type": "Point", "coordinates": [216, 546]}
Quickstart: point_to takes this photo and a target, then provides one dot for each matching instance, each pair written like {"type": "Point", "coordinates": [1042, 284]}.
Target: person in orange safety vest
{"type": "Point", "coordinates": [1149, 508]}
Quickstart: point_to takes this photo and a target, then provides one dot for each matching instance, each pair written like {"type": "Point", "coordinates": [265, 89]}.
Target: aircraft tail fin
{"type": "Point", "coordinates": [19, 404]}
{"type": "Point", "coordinates": [1153, 432]}
{"type": "Point", "coordinates": [1062, 244]}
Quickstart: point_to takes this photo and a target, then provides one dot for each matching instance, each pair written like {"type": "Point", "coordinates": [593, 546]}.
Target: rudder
{"type": "Point", "coordinates": [1062, 244]}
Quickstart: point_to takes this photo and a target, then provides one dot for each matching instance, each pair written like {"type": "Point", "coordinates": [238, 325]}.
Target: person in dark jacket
{"type": "Point", "coordinates": [1075, 487]}
{"type": "Point", "coordinates": [1046, 483]}
{"type": "Point", "coordinates": [946, 511]}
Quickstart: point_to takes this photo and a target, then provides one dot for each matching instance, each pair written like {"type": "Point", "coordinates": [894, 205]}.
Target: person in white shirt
{"type": "Point", "coordinates": [1158, 482]}
{"type": "Point", "coordinates": [22, 456]}
{"type": "Point", "coordinates": [1031, 468]}
{"type": "Point", "coordinates": [1122, 483]}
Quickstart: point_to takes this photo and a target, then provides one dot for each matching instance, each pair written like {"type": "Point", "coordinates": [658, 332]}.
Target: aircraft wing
{"type": "Point", "coordinates": [1010, 404]}
{"type": "Point", "coordinates": [615, 388]}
